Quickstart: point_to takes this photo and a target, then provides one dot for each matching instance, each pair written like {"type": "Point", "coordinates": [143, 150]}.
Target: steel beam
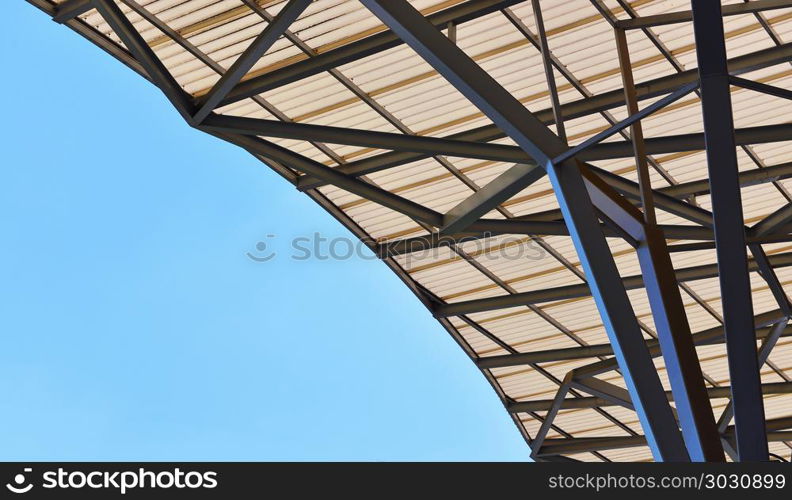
{"type": "Point", "coordinates": [603, 151]}
{"type": "Point", "coordinates": [604, 390]}
{"type": "Point", "coordinates": [746, 178]}
{"type": "Point", "coordinates": [761, 87]}
{"type": "Point", "coordinates": [572, 80]}
{"type": "Point", "coordinates": [485, 228]}
{"type": "Point", "coordinates": [768, 343]}
{"type": "Point", "coordinates": [355, 186]}
{"type": "Point", "coordinates": [157, 72]}
{"type": "Point", "coordinates": [532, 135]}
{"type": "Point", "coordinates": [689, 142]}
{"type": "Point", "coordinates": [687, 16]}
{"type": "Point", "coordinates": [365, 138]}
{"type": "Point", "coordinates": [475, 206]}
{"type": "Point", "coordinates": [70, 9]}
{"type": "Point", "coordinates": [709, 245]}
{"type": "Point", "coordinates": [541, 405]}
{"type": "Point", "coordinates": [705, 337]}
{"type": "Point", "coordinates": [735, 283]}
{"type": "Point", "coordinates": [636, 130]}
{"type": "Point", "coordinates": [550, 415]}
{"type": "Point", "coordinates": [668, 197]}
{"type": "Point", "coordinates": [610, 392]}
{"type": "Point", "coordinates": [572, 446]}
{"type": "Point", "coordinates": [286, 16]}
{"type": "Point", "coordinates": [609, 100]}
{"type": "Point", "coordinates": [772, 222]}
{"type": "Point", "coordinates": [547, 62]}
{"type": "Point", "coordinates": [668, 203]}
{"type": "Point", "coordinates": [458, 15]}
{"type": "Point", "coordinates": [767, 273]}
{"type": "Point", "coordinates": [621, 213]}
{"type": "Point", "coordinates": [465, 145]}
{"type": "Point", "coordinates": [581, 445]}
{"type": "Point", "coordinates": [668, 311]}
{"type": "Point", "coordinates": [577, 291]}
{"type": "Point", "coordinates": [694, 411]}
{"type": "Point", "coordinates": [578, 150]}
{"type": "Point", "coordinates": [411, 209]}
{"type": "Point", "coordinates": [607, 365]}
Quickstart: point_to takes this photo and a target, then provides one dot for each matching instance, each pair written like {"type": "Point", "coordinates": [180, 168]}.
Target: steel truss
{"type": "Point", "coordinates": [594, 205]}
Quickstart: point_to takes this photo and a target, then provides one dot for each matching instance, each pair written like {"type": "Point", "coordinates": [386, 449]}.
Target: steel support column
{"type": "Point", "coordinates": [729, 231]}
{"type": "Point", "coordinates": [532, 135]}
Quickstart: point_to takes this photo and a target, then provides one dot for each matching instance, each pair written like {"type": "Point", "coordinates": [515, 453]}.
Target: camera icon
{"type": "Point", "coordinates": [19, 485]}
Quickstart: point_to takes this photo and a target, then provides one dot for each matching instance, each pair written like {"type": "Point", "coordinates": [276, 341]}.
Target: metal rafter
{"type": "Point", "coordinates": [705, 337]}
{"type": "Point", "coordinates": [687, 15]}
{"type": "Point", "coordinates": [577, 291]}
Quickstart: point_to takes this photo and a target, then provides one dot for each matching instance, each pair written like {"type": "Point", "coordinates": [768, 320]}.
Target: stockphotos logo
{"type": "Point", "coordinates": [116, 480]}
{"type": "Point", "coordinates": [20, 484]}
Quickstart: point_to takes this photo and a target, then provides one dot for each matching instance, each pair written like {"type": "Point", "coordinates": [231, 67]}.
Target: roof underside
{"type": "Point", "coordinates": [396, 91]}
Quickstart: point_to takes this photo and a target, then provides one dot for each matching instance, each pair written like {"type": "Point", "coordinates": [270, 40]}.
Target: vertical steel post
{"type": "Point", "coordinates": [735, 284]}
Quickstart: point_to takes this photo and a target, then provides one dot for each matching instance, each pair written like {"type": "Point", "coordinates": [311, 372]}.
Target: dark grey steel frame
{"type": "Point", "coordinates": [617, 202]}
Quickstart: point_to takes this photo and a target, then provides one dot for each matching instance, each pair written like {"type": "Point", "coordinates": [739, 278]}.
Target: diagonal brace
{"type": "Point", "coordinates": [249, 57]}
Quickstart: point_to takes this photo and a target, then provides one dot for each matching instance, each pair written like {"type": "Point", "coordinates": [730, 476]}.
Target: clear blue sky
{"type": "Point", "coordinates": [135, 328]}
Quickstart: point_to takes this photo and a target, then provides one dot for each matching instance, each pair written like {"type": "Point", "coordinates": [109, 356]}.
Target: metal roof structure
{"type": "Point", "coordinates": [591, 196]}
